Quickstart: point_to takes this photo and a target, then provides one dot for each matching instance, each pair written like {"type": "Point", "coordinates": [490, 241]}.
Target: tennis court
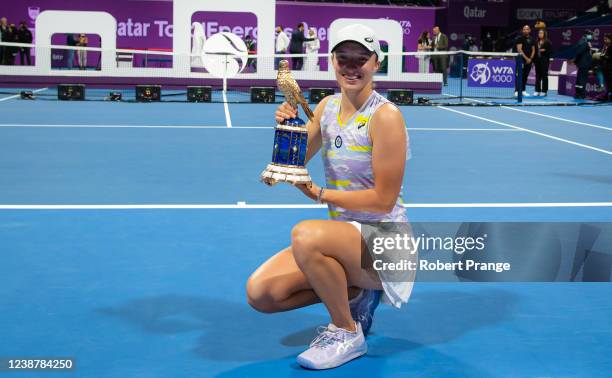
{"type": "Point", "coordinates": [129, 229]}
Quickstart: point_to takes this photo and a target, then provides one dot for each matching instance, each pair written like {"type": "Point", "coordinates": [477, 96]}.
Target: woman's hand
{"type": "Point", "coordinates": [311, 190]}
{"type": "Point", "coordinates": [285, 111]}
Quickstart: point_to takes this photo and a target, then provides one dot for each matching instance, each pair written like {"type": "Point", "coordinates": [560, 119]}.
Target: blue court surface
{"type": "Point", "coordinates": [128, 231]}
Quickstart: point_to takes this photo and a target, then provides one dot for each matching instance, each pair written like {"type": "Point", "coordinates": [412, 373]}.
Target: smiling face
{"type": "Point", "coordinates": [354, 66]}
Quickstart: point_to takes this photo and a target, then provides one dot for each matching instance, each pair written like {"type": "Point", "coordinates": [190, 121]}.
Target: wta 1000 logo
{"type": "Point", "coordinates": [491, 73]}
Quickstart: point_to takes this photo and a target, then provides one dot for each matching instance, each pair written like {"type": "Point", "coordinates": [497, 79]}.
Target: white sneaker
{"type": "Point", "coordinates": [537, 94]}
{"type": "Point", "coordinates": [525, 94]}
{"type": "Point", "coordinates": [333, 347]}
{"type": "Point", "coordinates": [515, 94]}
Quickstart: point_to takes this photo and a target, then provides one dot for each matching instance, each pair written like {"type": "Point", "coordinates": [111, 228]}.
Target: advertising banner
{"type": "Point", "coordinates": [491, 73]}
{"type": "Point", "coordinates": [148, 24]}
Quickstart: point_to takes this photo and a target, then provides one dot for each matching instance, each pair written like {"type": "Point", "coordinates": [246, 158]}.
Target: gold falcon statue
{"type": "Point", "coordinates": [291, 89]}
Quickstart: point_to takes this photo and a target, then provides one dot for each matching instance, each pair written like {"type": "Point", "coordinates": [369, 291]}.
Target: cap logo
{"type": "Point", "coordinates": [369, 40]}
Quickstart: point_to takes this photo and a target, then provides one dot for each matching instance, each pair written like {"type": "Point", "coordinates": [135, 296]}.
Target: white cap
{"type": "Point", "coordinates": [361, 34]}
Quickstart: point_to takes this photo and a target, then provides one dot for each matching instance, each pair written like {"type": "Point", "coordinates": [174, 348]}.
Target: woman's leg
{"type": "Point", "coordinates": [538, 80]}
{"type": "Point", "coordinates": [326, 253]}
{"type": "Point", "coordinates": [545, 77]}
{"type": "Point", "coordinates": [279, 285]}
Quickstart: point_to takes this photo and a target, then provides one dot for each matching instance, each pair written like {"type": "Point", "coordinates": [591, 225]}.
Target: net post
{"type": "Point", "coordinates": [519, 79]}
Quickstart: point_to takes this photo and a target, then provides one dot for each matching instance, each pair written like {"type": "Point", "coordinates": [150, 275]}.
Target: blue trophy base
{"type": "Point", "coordinates": [288, 154]}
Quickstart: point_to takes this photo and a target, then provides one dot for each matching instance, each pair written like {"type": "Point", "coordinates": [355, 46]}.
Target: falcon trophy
{"type": "Point", "coordinates": [290, 137]}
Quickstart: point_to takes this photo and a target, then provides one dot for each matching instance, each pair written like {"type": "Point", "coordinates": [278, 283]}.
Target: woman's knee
{"type": "Point", "coordinates": [304, 241]}
{"type": "Point", "coordinates": [260, 296]}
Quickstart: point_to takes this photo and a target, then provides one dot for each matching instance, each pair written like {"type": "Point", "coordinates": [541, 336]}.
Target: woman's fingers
{"type": "Point", "coordinates": [285, 111]}
{"type": "Point", "coordinates": [289, 109]}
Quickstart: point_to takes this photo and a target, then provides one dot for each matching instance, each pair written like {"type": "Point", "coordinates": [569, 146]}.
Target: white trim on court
{"type": "Point", "coordinates": [544, 115]}
{"type": "Point", "coordinates": [559, 118]}
{"type": "Point", "coordinates": [242, 205]}
{"type": "Point", "coordinates": [87, 126]}
{"type": "Point", "coordinates": [228, 118]}
{"type": "Point", "coordinates": [17, 95]}
{"type": "Point", "coordinates": [528, 131]}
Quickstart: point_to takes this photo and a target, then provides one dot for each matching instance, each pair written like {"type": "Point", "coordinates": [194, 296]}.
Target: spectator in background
{"type": "Point", "coordinates": [606, 64]}
{"type": "Point", "coordinates": [469, 44]}
{"type": "Point", "coordinates": [487, 43]}
{"type": "Point", "coordinates": [82, 54]}
{"type": "Point", "coordinates": [10, 52]}
{"type": "Point", "coordinates": [525, 46]}
{"type": "Point", "coordinates": [542, 61]}
{"type": "Point", "coordinates": [282, 43]}
{"type": "Point", "coordinates": [312, 49]}
{"type": "Point", "coordinates": [603, 67]}
{"type": "Point", "coordinates": [296, 45]}
{"type": "Point", "coordinates": [424, 46]}
{"type": "Point", "coordinates": [440, 62]}
{"type": "Point", "coordinates": [3, 30]}
{"type": "Point", "coordinates": [70, 41]}
{"type": "Point", "coordinates": [252, 49]}
{"type": "Point", "coordinates": [24, 35]}
{"type": "Point", "coordinates": [583, 61]}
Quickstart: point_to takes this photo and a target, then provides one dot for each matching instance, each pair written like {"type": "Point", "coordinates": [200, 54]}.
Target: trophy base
{"type": "Point", "coordinates": [278, 173]}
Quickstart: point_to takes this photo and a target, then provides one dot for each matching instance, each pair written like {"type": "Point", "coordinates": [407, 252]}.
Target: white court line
{"type": "Point", "coordinates": [559, 118]}
{"type": "Point", "coordinates": [228, 119]}
{"type": "Point", "coordinates": [215, 127]}
{"type": "Point", "coordinates": [297, 206]}
{"type": "Point", "coordinates": [545, 115]}
{"type": "Point", "coordinates": [529, 131]}
{"type": "Point", "coordinates": [17, 95]}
